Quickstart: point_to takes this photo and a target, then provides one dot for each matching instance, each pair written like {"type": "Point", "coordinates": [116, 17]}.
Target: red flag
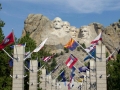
{"type": "Point", "coordinates": [98, 38]}
{"type": "Point", "coordinates": [71, 61]}
{"type": "Point", "coordinates": [8, 40]}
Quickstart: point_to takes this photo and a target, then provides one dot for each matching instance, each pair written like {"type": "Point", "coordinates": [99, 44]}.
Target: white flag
{"type": "Point", "coordinates": [40, 46]}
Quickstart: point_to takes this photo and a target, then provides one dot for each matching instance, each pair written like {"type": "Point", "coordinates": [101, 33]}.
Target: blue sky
{"type": "Point", "coordinates": [76, 12]}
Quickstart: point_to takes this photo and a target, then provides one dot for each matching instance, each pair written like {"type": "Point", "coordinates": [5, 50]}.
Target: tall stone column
{"type": "Point", "coordinates": [92, 74]}
{"type": "Point", "coordinates": [101, 67]}
{"type": "Point", "coordinates": [18, 68]}
{"type": "Point", "coordinates": [43, 83]}
{"type": "Point", "coordinates": [88, 80]}
{"type": "Point", "coordinates": [33, 79]}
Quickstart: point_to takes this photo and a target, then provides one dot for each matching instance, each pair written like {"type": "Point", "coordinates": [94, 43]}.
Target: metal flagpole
{"type": "Point", "coordinates": [85, 50]}
{"type": "Point", "coordinates": [59, 74]}
{"type": "Point", "coordinates": [15, 44]}
{"type": "Point", "coordinates": [8, 54]}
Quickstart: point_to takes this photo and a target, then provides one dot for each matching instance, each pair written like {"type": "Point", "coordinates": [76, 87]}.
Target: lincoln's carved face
{"type": "Point", "coordinates": [84, 32]}
{"type": "Point", "coordinates": [73, 32]}
{"type": "Point", "coordinates": [57, 22]}
{"type": "Point", "coordinates": [66, 26]}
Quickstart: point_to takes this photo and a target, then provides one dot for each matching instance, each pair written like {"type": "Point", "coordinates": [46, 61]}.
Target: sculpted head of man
{"type": "Point", "coordinates": [85, 32]}
{"type": "Point", "coordinates": [73, 32]}
{"type": "Point", "coordinates": [66, 26]}
{"type": "Point", "coordinates": [57, 23]}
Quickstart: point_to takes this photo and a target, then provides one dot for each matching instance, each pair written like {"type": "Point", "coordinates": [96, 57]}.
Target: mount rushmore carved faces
{"type": "Point", "coordinates": [57, 23]}
{"type": "Point", "coordinates": [84, 31]}
{"type": "Point", "coordinates": [73, 32]}
{"type": "Point", "coordinates": [66, 26]}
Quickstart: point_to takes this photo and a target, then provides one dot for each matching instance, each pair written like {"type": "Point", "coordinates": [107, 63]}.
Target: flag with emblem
{"type": "Point", "coordinates": [71, 61]}
{"type": "Point", "coordinates": [7, 41]}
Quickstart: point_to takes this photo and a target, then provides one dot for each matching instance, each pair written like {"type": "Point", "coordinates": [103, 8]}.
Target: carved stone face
{"type": "Point", "coordinates": [57, 23]}
{"type": "Point", "coordinates": [73, 32]}
{"type": "Point", "coordinates": [84, 32]}
{"type": "Point", "coordinates": [66, 26]}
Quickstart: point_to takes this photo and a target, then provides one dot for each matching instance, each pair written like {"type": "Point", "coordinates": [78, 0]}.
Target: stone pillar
{"type": "Point", "coordinates": [43, 84]}
{"type": "Point", "coordinates": [88, 80]}
{"type": "Point", "coordinates": [92, 74]}
{"type": "Point", "coordinates": [48, 82]}
{"type": "Point", "coordinates": [18, 68]}
{"type": "Point", "coordinates": [33, 79]}
{"type": "Point", "coordinates": [101, 67]}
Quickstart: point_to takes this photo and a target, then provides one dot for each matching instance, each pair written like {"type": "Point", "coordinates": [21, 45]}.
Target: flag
{"type": "Point", "coordinates": [98, 38]}
{"type": "Point", "coordinates": [92, 53]}
{"type": "Point", "coordinates": [72, 72]}
{"type": "Point", "coordinates": [47, 58]}
{"type": "Point", "coordinates": [27, 62]}
{"type": "Point", "coordinates": [72, 44]}
{"type": "Point", "coordinates": [63, 76]}
{"type": "Point", "coordinates": [80, 79]}
{"type": "Point", "coordinates": [83, 69]}
{"type": "Point", "coordinates": [7, 41]}
{"type": "Point", "coordinates": [40, 46]}
{"type": "Point", "coordinates": [90, 48]}
{"type": "Point", "coordinates": [71, 61]}
{"type": "Point", "coordinates": [12, 46]}
{"type": "Point", "coordinates": [10, 63]}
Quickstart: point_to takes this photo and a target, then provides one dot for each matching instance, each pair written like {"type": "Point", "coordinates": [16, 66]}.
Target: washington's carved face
{"type": "Point", "coordinates": [84, 32]}
{"type": "Point", "coordinates": [73, 32]}
{"type": "Point", "coordinates": [57, 22]}
{"type": "Point", "coordinates": [66, 26]}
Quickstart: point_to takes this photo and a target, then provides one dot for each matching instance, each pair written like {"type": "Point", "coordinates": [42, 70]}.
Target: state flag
{"type": "Point", "coordinates": [40, 46]}
{"type": "Point", "coordinates": [72, 44]}
{"type": "Point", "coordinates": [7, 41]}
{"type": "Point", "coordinates": [71, 61]}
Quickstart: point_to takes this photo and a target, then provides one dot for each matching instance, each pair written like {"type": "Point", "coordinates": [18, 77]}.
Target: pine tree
{"type": "Point", "coordinates": [5, 79]}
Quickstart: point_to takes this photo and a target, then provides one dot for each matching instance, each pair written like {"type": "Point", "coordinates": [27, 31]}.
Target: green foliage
{"type": "Point", "coordinates": [61, 53]}
{"type": "Point", "coordinates": [66, 50]}
{"type": "Point", "coordinates": [78, 48]}
{"type": "Point", "coordinates": [107, 54]}
{"type": "Point", "coordinates": [113, 68]}
{"type": "Point", "coordinates": [83, 45]}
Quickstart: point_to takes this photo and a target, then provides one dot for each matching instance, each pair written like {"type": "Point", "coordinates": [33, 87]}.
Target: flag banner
{"type": "Point", "coordinates": [27, 62]}
{"type": "Point", "coordinates": [93, 53]}
{"type": "Point", "coordinates": [80, 79]}
{"type": "Point", "coordinates": [83, 69]}
{"type": "Point", "coordinates": [98, 38]}
{"type": "Point", "coordinates": [63, 77]}
{"type": "Point", "coordinates": [47, 58]}
{"type": "Point", "coordinates": [12, 46]}
{"type": "Point", "coordinates": [10, 63]}
{"type": "Point", "coordinates": [71, 61]}
{"type": "Point", "coordinates": [7, 41]}
{"type": "Point", "coordinates": [72, 44]}
{"type": "Point", "coordinates": [90, 48]}
{"type": "Point", "coordinates": [72, 72]}
{"type": "Point", "coordinates": [40, 46]}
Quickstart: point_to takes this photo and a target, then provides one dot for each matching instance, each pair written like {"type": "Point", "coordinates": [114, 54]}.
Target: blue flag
{"type": "Point", "coordinates": [72, 72]}
{"type": "Point", "coordinates": [10, 63]}
{"type": "Point", "coordinates": [83, 69]}
{"type": "Point", "coordinates": [63, 76]}
{"type": "Point", "coordinates": [93, 53]}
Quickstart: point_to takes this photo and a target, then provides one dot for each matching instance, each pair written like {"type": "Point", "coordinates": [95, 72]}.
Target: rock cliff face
{"type": "Point", "coordinates": [59, 32]}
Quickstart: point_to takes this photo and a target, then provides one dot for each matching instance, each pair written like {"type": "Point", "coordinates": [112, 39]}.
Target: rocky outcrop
{"type": "Point", "coordinates": [40, 27]}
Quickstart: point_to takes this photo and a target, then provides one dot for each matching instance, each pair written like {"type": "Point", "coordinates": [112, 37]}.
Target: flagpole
{"type": "Point", "coordinates": [85, 50]}
{"type": "Point", "coordinates": [59, 74]}
{"type": "Point", "coordinates": [15, 44]}
{"type": "Point", "coordinates": [41, 67]}
{"type": "Point", "coordinates": [8, 54]}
